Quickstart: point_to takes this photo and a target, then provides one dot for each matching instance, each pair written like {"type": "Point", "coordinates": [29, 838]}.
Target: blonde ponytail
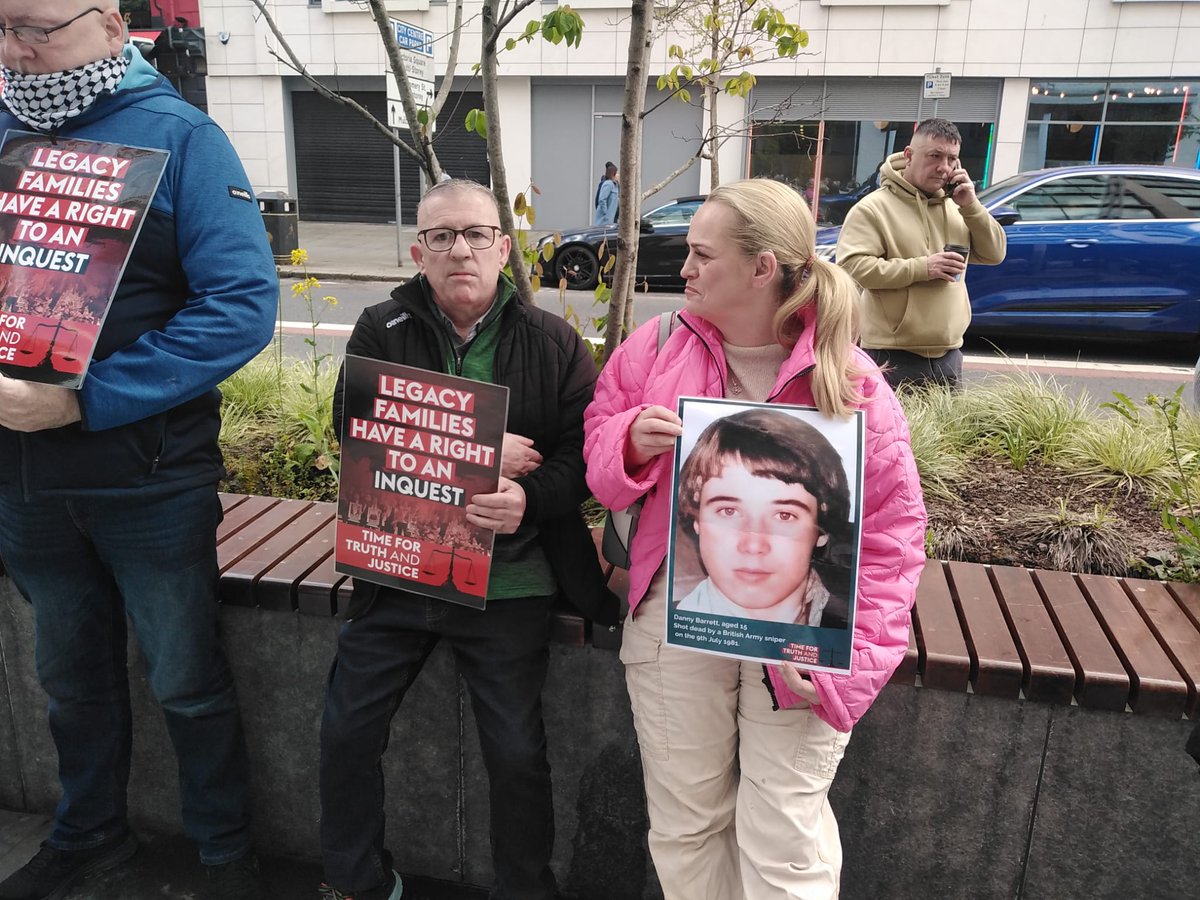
{"type": "Point", "coordinates": [770, 216]}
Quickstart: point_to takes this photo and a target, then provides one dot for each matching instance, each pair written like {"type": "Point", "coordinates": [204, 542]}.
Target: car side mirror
{"type": "Point", "coordinates": [645, 227]}
{"type": "Point", "coordinates": [1006, 215]}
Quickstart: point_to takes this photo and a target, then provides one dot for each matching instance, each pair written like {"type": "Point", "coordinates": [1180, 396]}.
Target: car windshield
{"type": "Point", "coordinates": [678, 213]}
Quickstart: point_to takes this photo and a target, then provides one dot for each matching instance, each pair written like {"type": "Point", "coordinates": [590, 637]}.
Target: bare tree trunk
{"type": "Point", "coordinates": [620, 308]}
{"type": "Point", "coordinates": [491, 107]}
{"type": "Point", "coordinates": [711, 93]}
{"type": "Point", "coordinates": [420, 136]}
{"type": "Point", "coordinates": [423, 153]}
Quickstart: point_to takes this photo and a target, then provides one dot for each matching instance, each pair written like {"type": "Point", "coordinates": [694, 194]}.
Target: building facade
{"type": "Point", "coordinates": [1031, 83]}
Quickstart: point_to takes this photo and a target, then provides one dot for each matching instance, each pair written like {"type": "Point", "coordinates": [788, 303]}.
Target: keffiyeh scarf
{"type": "Point", "coordinates": [46, 101]}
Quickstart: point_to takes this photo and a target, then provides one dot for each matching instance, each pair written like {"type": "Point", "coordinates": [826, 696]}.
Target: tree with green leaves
{"type": "Point", "coordinates": [556, 26]}
{"type": "Point", "coordinates": [731, 36]}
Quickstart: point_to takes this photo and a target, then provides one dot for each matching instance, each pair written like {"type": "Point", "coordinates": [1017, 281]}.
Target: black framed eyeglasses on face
{"type": "Point", "coordinates": [35, 34]}
{"type": "Point", "coordinates": [440, 240]}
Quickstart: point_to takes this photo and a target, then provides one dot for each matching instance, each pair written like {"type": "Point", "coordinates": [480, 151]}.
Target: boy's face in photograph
{"type": "Point", "coordinates": [757, 537]}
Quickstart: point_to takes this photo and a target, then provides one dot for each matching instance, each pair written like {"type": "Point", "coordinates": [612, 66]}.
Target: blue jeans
{"type": "Point", "coordinates": [503, 654]}
{"type": "Point", "coordinates": [86, 564]}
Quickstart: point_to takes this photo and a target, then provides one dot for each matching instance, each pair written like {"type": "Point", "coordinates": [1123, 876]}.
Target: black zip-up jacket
{"type": "Point", "coordinates": [550, 376]}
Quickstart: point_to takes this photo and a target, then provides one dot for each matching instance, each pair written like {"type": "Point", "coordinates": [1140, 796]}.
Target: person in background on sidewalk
{"type": "Point", "coordinates": [463, 317]}
{"type": "Point", "coordinates": [896, 243]}
{"type": "Point", "coordinates": [738, 757]}
{"type": "Point", "coordinates": [108, 500]}
{"type": "Point", "coordinates": [607, 196]}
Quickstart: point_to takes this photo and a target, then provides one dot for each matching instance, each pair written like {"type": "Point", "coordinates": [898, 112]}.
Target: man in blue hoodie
{"type": "Point", "coordinates": [108, 502]}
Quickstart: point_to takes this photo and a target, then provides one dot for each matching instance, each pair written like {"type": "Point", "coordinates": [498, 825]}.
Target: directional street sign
{"type": "Point", "coordinates": [422, 96]}
{"type": "Point", "coordinates": [416, 51]}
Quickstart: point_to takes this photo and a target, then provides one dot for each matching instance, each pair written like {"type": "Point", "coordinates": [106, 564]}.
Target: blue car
{"type": "Point", "coordinates": [1108, 252]}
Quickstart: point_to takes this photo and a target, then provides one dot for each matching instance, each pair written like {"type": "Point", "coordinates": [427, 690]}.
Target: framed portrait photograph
{"type": "Point", "coordinates": [766, 526]}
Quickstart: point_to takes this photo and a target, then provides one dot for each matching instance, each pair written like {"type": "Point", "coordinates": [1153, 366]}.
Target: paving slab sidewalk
{"type": "Point", "coordinates": [357, 251]}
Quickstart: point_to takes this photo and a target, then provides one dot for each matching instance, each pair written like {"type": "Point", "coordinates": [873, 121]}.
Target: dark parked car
{"type": "Point", "coordinates": [833, 207]}
{"type": "Point", "coordinates": [662, 248]}
{"type": "Point", "coordinates": [1093, 251]}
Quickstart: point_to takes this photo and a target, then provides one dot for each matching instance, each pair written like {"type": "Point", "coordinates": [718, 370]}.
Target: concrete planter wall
{"type": "Point", "coordinates": [943, 793]}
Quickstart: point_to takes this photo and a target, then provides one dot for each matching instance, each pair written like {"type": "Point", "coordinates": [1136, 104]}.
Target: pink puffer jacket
{"type": "Point", "coordinates": [692, 364]}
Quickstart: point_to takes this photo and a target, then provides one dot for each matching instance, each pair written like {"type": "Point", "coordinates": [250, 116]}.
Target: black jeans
{"type": "Point", "coordinates": [901, 367]}
{"type": "Point", "coordinates": [502, 653]}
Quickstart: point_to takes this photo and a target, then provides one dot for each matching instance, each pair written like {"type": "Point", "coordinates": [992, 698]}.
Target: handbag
{"type": "Point", "coordinates": [620, 525]}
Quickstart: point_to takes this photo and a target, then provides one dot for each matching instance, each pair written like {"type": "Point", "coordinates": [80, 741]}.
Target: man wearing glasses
{"type": "Point", "coordinates": [462, 316]}
{"type": "Point", "coordinates": [108, 502]}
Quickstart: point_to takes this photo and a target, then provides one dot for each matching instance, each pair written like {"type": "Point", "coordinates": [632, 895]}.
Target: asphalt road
{"type": "Point", "coordinates": [1098, 369]}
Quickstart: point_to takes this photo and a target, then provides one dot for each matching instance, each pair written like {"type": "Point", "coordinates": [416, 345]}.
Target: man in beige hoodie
{"type": "Point", "coordinates": [895, 242]}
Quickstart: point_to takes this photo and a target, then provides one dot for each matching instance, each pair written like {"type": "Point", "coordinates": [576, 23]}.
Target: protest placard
{"type": "Point", "coordinates": [766, 523]}
{"type": "Point", "coordinates": [70, 213]}
{"type": "Point", "coordinates": [417, 445]}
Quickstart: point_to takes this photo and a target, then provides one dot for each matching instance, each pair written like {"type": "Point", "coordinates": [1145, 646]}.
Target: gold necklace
{"type": "Point", "coordinates": [735, 383]}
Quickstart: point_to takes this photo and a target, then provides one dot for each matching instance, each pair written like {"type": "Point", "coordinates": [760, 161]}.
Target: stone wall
{"type": "Point", "coordinates": [941, 794]}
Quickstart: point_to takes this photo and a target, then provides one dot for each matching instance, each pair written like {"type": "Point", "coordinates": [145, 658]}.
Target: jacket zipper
{"type": "Point", "coordinates": [783, 387]}
{"type": "Point", "coordinates": [710, 352]}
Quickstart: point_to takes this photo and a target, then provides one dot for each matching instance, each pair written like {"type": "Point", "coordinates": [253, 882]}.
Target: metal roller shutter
{"type": "Point", "coordinates": [862, 99]}
{"type": "Point", "coordinates": [462, 153]}
{"type": "Point", "coordinates": [344, 167]}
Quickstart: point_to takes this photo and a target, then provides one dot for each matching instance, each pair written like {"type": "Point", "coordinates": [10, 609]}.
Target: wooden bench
{"type": "Point", "coordinates": [1102, 643]}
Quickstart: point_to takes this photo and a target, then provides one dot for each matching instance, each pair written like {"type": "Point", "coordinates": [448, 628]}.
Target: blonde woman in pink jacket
{"type": "Point", "coordinates": [738, 757]}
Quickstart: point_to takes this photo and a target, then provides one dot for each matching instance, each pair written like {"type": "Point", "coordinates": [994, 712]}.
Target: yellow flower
{"type": "Point", "coordinates": [299, 257]}
{"type": "Point", "coordinates": [332, 301]}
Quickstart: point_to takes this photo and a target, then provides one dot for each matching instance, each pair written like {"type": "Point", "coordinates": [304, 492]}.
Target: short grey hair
{"type": "Point", "coordinates": [459, 186]}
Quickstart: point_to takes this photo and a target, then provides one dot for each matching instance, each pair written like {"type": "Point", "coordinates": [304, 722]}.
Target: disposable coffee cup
{"type": "Point", "coordinates": [961, 251]}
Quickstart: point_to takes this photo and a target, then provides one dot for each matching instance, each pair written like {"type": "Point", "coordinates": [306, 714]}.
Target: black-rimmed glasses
{"type": "Point", "coordinates": [440, 240]}
{"type": "Point", "coordinates": [35, 34]}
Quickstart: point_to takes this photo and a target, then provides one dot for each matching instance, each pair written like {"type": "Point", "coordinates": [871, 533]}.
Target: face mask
{"type": "Point", "coordinates": [46, 101]}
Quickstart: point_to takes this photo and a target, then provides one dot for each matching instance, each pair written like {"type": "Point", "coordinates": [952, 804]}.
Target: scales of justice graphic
{"type": "Point", "coordinates": [55, 331]}
{"type": "Point", "coordinates": [450, 581]}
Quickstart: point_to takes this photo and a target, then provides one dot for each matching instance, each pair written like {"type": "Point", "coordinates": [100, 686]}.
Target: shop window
{"type": "Point", "coordinates": [1086, 122]}
{"type": "Point", "coordinates": [853, 153]}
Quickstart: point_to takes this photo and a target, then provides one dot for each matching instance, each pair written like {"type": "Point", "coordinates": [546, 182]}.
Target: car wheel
{"type": "Point", "coordinates": [579, 265]}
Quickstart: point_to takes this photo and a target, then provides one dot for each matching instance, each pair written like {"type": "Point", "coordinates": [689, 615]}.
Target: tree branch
{"type": "Point", "coordinates": [293, 62]}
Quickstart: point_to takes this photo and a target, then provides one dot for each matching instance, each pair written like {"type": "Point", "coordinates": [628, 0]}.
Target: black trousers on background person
{"type": "Point", "coordinates": [903, 368]}
{"type": "Point", "coordinates": [502, 653]}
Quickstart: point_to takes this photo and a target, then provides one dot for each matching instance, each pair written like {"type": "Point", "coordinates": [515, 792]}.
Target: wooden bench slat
{"type": "Point", "coordinates": [288, 575]}
{"type": "Point", "coordinates": [996, 667]}
{"type": "Point", "coordinates": [1049, 672]}
{"type": "Point", "coordinates": [253, 533]}
{"type": "Point", "coordinates": [1177, 633]}
{"type": "Point", "coordinates": [906, 672]}
{"type": "Point", "coordinates": [320, 591]}
{"type": "Point", "coordinates": [229, 501]}
{"type": "Point", "coordinates": [945, 662]}
{"type": "Point", "coordinates": [1188, 597]}
{"type": "Point", "coordinates": [1156, 687]}
{"type": "Point", "coordinates": [241, 513]}
{"type": "Point", "coordinates": [241, 582]}
{"type": "Point", "coordinates": [1101, 679]}
{"type": "Point", "coordinates": [568, 628]}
